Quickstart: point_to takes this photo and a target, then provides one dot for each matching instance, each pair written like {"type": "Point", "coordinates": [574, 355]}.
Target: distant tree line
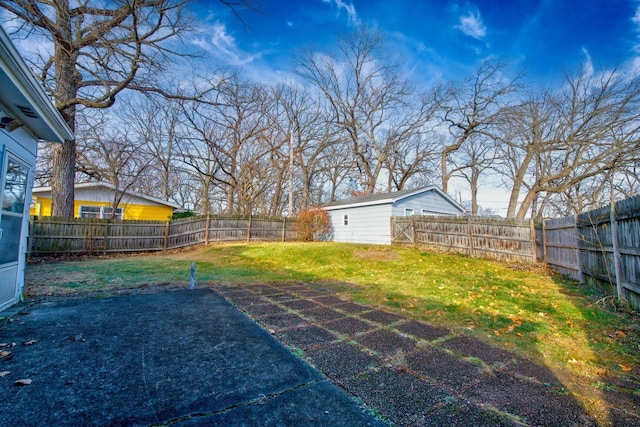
{"type": "Point", "coordinates": [353, 122]}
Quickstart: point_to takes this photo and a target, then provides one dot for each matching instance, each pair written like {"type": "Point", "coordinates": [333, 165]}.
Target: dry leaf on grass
{"type": "Point", "coordinates": [625, 368]}
{"type": "Point", "coordinates": [24, 381]}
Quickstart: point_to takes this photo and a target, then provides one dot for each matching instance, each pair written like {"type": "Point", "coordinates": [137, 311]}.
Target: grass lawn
{"type": "Point", "coordinates": [532, 313]}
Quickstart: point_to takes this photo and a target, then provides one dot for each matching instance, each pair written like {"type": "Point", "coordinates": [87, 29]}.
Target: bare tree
{"type": "Point", "coordinates": [99, 50]}
{"type": "Point", "coordinates": [472, 108]}
{"type": "Point", "coordinates": [233, 126]}
{"type": "Point", "coordinates": [113, 157]}
{"type": "Point", "coordinates": [561, 139]}
{"type": "Point", "coordinates": [363, 90]}
{"type": "Point", "coordinates": [414, 141]}
{"type": "Point", "coordinates": [476, 156]}
{"type": "Point", "coordinates": [158, 124]}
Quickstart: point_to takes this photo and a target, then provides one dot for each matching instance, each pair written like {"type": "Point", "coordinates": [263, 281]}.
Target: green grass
{"type": "Point", "coordinates": [534, 314]}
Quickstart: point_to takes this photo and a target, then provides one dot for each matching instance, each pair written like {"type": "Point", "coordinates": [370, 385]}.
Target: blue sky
{"type": "Point", "coordinates": [436, 39]}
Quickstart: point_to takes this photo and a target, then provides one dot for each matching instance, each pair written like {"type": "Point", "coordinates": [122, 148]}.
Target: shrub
{"type": "Point", "coordinates": [310, 222]}
{"type": "Point", "coordinates": [183, 214]}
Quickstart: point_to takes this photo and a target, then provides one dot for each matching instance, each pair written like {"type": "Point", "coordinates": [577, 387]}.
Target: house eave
{"type": "Point", "coordinates": [20, 88]}
{"type": "Point", "coordinates": [392, 200]}
{"type": "Point", "coordinates": [40, 190]}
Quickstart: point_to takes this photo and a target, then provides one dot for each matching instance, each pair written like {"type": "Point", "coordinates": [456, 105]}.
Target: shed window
{"type": "Point", "coordinates": [408, 211]}
{"type": "Point", "coordinates": [345, 219]}
{"type": "Point", "coordinates": [100, 212]}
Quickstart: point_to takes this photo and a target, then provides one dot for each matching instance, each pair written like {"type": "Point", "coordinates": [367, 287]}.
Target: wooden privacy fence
{"type": "Point", "coordinates": [78, 236]}
{"type": "Point", "coordinates": [600, 248]}
{"type": "Point", "coordinates": [495, 238]}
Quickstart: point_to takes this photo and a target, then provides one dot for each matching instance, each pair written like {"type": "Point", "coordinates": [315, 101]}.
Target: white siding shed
{"type": "Point", "coordinates": [367, 219]}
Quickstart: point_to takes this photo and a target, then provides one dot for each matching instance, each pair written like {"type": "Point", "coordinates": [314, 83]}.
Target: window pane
{"type": "Point", "coordinates": [15, 187]}
{"type": "Point", "coordinates": [89, 212]}
{"type": "Point", "coordinates": [10, 244]}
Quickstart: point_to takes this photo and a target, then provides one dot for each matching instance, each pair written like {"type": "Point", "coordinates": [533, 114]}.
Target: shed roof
{"type": "Point", "coordinates": [40, 191]}
{"type": "Point", "coordinates": [388, 198]}
{"type": "Point", "coordinates": [24, 98]}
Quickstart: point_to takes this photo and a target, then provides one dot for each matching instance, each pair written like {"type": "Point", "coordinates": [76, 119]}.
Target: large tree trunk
{"type": "Point", "coordinates": [475, 177]}
{"type": "Point", "coordinates": [62, 179]}
{"type": "Point", "coordinates": [67, 80]}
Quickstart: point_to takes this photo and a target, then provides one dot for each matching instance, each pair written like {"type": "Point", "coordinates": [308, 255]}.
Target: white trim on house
{"type": "Point", "coordinates": [44, 191]}
{"type": "Point", "coordinates": [385, 198]}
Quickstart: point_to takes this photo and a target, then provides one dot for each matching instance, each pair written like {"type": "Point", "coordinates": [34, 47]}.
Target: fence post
{"type": "Point", "coordinates": [206, 230]}
{"type": "Point", "coordinates": [90, 238]}
{"type": "Point", "coordinates": [284, 229]}
{"type": "Point", "coordinates": [249, 230]}
{"type": "Point", "coordinates": [544, 241]}
{"type": "Point", "coordinates": [166, 235]}
{"type": "Point", "coordinates": [578, 252]}
{"type": "Point", "coordinates": [414, 235]}
{"type": "Point", "coordinates": [616, 251]}
{"type": "Point", "coordinates": [472, 249]}
{"type": "Point", "coordinates": [32, 227]}
{"type": "Point", "coordinates": [106, 236]}
{"type": "Point", "coordinates": [532, 230]}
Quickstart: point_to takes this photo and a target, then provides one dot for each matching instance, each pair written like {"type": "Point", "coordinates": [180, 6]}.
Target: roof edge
{"type": "Point", "coordinates": [355, 203]}
{"type": "Point", "coordinates": [112, 187]}
{"type": "Point", "coordinates": [34, 90]}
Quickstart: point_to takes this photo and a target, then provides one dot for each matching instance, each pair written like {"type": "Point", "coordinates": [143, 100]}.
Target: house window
{"type": "Point", "coordinates": [345, 219]}
{"type": "Point", "coordinates": [100, 212]}
{"type": "Point", "coordinates": [408, 211]}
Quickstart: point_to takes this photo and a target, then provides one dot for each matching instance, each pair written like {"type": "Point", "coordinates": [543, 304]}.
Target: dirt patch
{"type": "Point", "coordinates": [383, 254]}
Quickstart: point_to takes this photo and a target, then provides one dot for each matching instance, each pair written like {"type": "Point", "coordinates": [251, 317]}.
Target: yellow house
{"type": "Point", "coordinates": [95, 200]}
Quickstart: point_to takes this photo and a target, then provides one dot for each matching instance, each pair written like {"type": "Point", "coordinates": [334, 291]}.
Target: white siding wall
{"type": "Point", "coordinates": [431, 201]}
{"type": "Point", "coordinates": [24, 146]}
{"type": "Point", "coordinates": [368, 224]}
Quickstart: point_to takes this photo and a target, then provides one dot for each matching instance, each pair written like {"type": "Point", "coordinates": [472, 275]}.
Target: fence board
{"type": "Point", "coordinates": [500, 239]}
{"type": "Point", "coordinates": [61, 236]}
{"type": "Point", "coordinates": [561, 251]}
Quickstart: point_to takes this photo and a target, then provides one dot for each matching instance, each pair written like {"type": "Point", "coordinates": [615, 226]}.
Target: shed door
{"type": "Point", "coordinates": [13, 181]}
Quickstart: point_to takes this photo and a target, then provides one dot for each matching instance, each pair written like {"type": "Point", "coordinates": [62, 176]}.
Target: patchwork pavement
{"type": "Point", "coordinates": [414, 373]}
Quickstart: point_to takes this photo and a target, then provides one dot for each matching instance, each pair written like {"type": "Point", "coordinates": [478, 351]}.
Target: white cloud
{"type": "Point", "coordinates": [636, 17]}
{"type": "Point", "coordinates": [349, 8]}
{"type": "Point", "coordinates": [636, 20]}
{"type": "Point", "coordinates": [471, 24]}
{"type": "Point", "coordinates": [588, 63]}
{"type": "Point", "coordinates": [224, 46]}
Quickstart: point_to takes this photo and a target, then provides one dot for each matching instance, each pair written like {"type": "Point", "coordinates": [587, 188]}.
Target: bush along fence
{"type": "Point", "coordinates": [79, 236]}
